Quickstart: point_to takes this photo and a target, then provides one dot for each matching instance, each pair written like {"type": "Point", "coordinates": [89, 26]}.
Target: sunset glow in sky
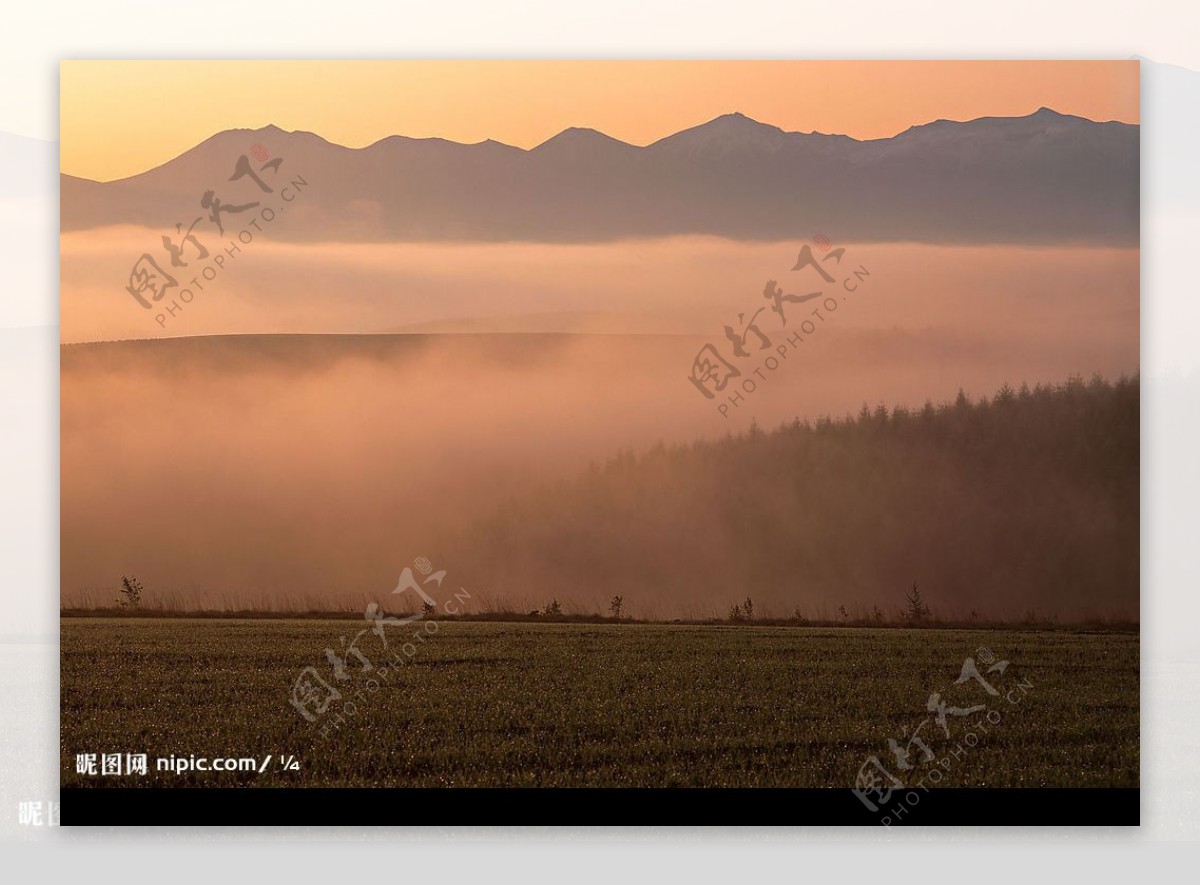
{"type": "Point", "coordinates": [119, 118]}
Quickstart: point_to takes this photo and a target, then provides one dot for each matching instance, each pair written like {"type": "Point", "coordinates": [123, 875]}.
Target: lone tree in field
{"type": "Point", "coordinates": [615, 606]}
{"type": "Point", "coordinates": [842, 613]}
{"type": "Point", "coordinates": [917, 610]}
{"type": "Point", "coordinates": [553, 609]}
{"type": "Point", "coordinates": [735, 614]}
{"type": "Point", "coordinates": [131, 593]}
{"type": "Point", "coordinates": [748, 608]}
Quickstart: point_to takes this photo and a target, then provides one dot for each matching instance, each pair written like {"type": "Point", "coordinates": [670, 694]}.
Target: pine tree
{"type": "Point", "coordinates": [917, 610]}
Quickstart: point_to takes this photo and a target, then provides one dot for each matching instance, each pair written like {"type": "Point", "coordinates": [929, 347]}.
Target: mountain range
{"type": "Point", "coordinates": [1045, 178]}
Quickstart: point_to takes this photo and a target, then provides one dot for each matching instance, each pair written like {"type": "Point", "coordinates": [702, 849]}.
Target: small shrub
{"type": "Point", "coordinates": [917, 609]}
{"type": "Point", "coordinates": [130, 593]}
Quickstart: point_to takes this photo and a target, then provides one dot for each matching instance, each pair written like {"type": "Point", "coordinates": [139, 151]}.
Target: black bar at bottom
{"type": "Point", "coordinates": [761, 807]}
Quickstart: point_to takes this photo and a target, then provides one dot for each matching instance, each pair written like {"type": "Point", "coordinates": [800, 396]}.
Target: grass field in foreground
{"type": "Point", "coordinates": [488, 704]}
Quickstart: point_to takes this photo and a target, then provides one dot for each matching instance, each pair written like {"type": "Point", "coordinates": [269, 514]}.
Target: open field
{"type": "Point", "coordinates": [480, 704]}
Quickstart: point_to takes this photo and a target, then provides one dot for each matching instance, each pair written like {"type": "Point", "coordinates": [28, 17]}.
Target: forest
{"type": "Point", "coordinates": [1019, 506]}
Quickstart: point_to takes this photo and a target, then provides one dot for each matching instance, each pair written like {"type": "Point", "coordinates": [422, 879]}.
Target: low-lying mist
{"type": "Point", "coordinates": [306, 471]}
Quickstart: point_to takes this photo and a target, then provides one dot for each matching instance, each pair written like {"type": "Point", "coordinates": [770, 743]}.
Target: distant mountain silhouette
{"type": "Point", "coordinates": [1043, 178]}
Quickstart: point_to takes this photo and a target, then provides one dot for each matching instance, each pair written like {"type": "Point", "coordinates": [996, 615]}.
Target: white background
{"type": "Point", "coordinates": [36, 36]}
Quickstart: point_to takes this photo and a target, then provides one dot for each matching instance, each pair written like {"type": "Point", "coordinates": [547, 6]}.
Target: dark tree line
{"type": "Point", "coordinates": [1027, 499]}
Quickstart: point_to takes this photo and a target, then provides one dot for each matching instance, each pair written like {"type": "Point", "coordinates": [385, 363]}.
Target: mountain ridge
{"type": "Point", "coordinates": [1043, 177]}
{"type": "Point", "coordinates": [272, 129]}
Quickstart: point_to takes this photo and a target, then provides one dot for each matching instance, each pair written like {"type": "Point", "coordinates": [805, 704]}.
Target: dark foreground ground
{"type": "Point", "coordinates": [489, 704]}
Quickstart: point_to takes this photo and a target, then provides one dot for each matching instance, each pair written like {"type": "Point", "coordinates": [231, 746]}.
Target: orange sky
{"type": "Point", "coordinates": [119, 118]}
